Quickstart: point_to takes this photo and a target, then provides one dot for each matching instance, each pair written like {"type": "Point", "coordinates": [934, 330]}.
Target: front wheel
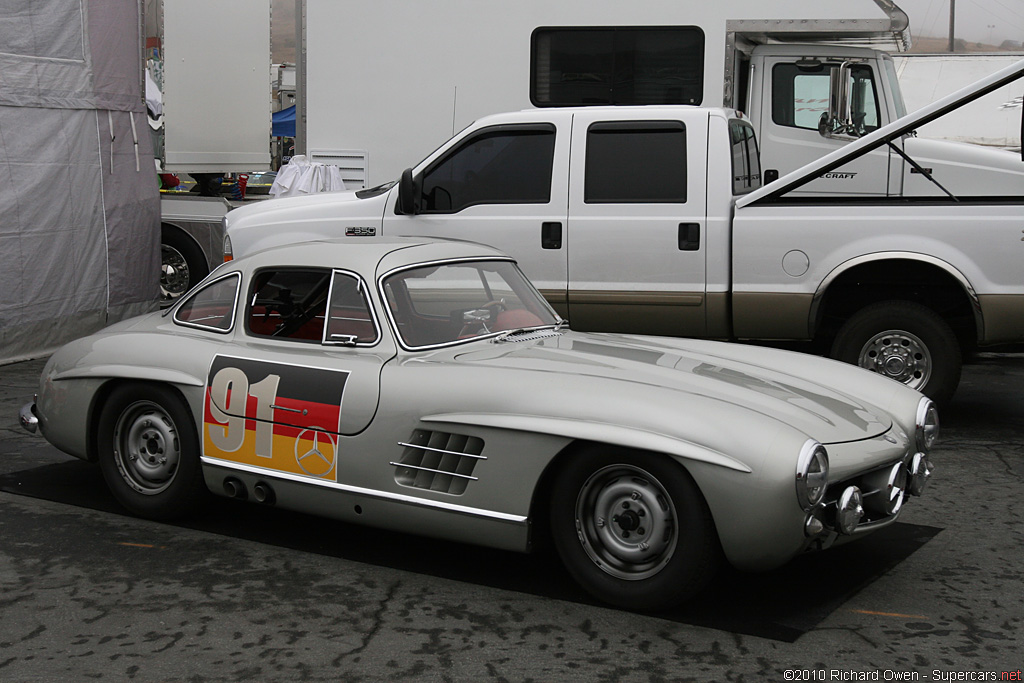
{"type": "Point", "coordinates": [633, 528]}
{"type": "Point", "coordinates": [904, 341]}
{"type": "Point", "coordinates": [149, 452]}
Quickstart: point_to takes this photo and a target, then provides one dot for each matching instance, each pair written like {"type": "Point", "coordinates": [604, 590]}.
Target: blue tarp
{"type": "Point", "coordinates": [284, 123]}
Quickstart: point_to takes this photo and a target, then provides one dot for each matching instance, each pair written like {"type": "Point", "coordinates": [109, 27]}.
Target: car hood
{"type": "Point", "coordinates": [739, 375]}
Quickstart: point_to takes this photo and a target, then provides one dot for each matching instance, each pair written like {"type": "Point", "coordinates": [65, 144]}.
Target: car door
{"type": "Point", "coordinates": [637, 227]}
{"type": "Point", "coordinates": [502, 185]}
{"type": "Point", "coordinates": [303, 373]}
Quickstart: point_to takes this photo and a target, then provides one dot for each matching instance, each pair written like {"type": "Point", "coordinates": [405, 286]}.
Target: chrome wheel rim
{"type": "Point", "coordinates": [626, 522]}
{"type": "Point", "coordinates": [174, 274]}
{"type": "Point", "coordinates": [146, 447]}
{"type": "Point", "coordinates": [899, 355]}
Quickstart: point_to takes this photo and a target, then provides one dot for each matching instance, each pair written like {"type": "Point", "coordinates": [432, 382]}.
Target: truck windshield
{"type": "Point", "coordinates": [441, 304]}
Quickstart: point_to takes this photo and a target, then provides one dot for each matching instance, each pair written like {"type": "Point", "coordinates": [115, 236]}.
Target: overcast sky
{"type": "Point", "coordinates": [985, 21]}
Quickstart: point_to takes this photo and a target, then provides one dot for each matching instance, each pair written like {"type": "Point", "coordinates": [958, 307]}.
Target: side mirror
{"type": "Point", "coordinates": [408, 194]}
{"type": "Point", "coordinates": [838, 120]}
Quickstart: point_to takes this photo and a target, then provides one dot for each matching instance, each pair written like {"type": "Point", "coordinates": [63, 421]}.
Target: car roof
{"type": "Point", "coordinates": [365, 254]}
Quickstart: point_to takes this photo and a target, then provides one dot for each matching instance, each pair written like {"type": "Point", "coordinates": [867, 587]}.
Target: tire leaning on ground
{"type": "Point", "coordinates": [905, 341]}
{"type": "Point", "coordinates": [149, 452]}
{"type": "Point", "coordinates": [182, 265]}
{"type": "Point", "coordinates": [633, 528]}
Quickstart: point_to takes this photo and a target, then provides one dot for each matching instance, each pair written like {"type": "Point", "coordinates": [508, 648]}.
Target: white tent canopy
{"type": "Point", "coordinates": [79, 205]}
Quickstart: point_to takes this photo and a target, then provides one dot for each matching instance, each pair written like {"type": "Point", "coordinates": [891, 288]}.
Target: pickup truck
{"type": "Point", "coordinates": [653, 220]}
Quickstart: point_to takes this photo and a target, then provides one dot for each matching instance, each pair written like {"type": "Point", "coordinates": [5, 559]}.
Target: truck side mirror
{"type": "Point", "coordinates": [838, 120]}
{"type": "Point", "coordinates": [408, 194]}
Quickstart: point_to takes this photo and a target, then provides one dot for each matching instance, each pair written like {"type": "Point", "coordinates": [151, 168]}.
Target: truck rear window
{"type": "Point", "coordinates": [632, 162]}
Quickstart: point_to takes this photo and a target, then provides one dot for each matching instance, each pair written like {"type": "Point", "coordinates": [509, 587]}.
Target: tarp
{"type": "Point", "coordinates": [283, 125]}
{"type": "Point", "coordinates": [79, 201]}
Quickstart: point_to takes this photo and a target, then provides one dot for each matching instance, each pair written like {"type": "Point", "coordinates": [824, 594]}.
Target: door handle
{"type": "Point", "coordinates": [689, 236]}
{"type": "Point", "coordinates": [551, 235]}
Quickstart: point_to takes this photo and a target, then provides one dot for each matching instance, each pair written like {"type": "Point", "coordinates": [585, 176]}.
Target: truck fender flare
{"type": "Point", "coordinates": [948, 268]}
{"type": "Point", "coordinates": [618, 435]}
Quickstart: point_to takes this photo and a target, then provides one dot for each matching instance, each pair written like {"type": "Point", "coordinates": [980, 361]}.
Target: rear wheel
{"type": "Point", "coordinates": [904, 341]}
{"type": "Point", "coordinates": [633, 528]}
{"type": "Point", "coordinates": [149, 451]}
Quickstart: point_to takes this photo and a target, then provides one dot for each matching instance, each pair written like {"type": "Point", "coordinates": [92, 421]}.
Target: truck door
{"type": "Point", "coordinates": [795, 97]}
{"type": "Point", "coordinates": [502, 185]}
{"type": "Point", "coordinates": [637, 228]}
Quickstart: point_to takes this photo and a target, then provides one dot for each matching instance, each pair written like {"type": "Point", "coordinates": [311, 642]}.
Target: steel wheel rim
{"type": "Point", "coordinates": [899, 355]}
{"type": "Point", "coordinates": [146, 447]}
{"type": "Point", "coordinates": [174, 273]}
{"type": "Point", "coordinates": [626, 522]}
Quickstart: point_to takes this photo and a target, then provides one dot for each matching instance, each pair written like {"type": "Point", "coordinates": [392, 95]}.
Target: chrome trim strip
{"type": "Point", "coordinates": [441, 450]}
{"type": "Point", "coordinates": [428, 469]}
{"type": "Point", "coordinates": [369, 493]}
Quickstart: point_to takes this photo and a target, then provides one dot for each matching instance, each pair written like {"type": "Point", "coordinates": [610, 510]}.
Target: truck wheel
{"type": "Point", "coordinates": [633, 528]}
{"type": "Point", "coordinates": [905, 341]}
{"type": "Point", "coordinates": [149, 451]}
{"type": "Point", "coordinates": [182, 265]}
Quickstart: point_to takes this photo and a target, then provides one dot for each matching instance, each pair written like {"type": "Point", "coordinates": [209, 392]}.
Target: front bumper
{"type": "Point", "coordinates": [27, 417]}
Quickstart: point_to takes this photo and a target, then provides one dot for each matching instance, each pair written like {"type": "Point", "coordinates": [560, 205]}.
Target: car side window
{"type": "Point", "coordinates": [289, 303]}
{"type": "Point", "coordinates": [746, 164]}
{"type": "Point", "coordinates": [501, 165]}
{"type": "Point", "coordinates": [212, 307]}
{"type": "Point", "coordinates": [635, 162]}
{"type": "Point", "coordinates": [350, 319]}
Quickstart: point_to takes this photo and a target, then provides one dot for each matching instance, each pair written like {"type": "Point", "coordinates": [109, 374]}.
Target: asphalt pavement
{"type": "Point", "coordinates": [250, 594]}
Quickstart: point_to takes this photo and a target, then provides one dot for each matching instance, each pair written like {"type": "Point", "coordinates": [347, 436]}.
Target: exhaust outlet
{"type": "Point", "coordinates": [262, 492]}
{"type": "Point", "coordinates": [234, 488]}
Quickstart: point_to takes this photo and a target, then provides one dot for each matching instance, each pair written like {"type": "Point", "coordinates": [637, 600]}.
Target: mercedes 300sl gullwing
{"type": "Point", "coordinates": [426, 386]}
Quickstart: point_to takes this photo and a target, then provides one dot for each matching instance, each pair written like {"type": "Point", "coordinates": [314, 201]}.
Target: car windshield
{"type": "Point", "coordinates": [440, 304]}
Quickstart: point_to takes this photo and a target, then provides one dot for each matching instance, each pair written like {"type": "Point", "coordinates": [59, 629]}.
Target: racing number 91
{"type": "Point", "coordinates": [230, 388]}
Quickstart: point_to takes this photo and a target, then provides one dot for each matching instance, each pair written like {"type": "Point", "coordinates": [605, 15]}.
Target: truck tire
{"type": "Point", "coordinates": [905, 341]}
{"type": "Point", "coordinates": [182, 265]}
{"type": "Point", "coordinates": [632, 528]}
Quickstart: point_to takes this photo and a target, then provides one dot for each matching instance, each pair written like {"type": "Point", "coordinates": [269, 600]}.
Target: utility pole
{"type": "Point", "coordinates": [952, 13]}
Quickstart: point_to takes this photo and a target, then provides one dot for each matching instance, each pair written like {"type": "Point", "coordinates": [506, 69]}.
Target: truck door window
{"type": "Point", "coordinates": [746, 164]}
{"type": "Point", "coordinates": [572, 66]}
{"type": "Point", "coordinates": [635, 162]}
{"type": "Point", "coordinates": [503, 165]}
{"type": "Point", "coordinates": [800, 96]}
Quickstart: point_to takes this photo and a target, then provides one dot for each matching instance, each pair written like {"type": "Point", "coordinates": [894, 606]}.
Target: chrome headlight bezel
{"type": "Point", "coordinates": [811, 474]}
{"type": "Point", "coordinates": [926, 429]}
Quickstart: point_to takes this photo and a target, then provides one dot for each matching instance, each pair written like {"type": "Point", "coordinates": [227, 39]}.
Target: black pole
{"type": "Point", "coordinates": [952, 13]}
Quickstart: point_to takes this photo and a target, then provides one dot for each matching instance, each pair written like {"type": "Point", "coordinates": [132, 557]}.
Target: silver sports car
{"type": "Point", "coordinates": [426, 386]}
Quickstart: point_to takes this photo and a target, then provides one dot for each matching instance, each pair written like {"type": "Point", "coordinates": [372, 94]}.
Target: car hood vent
{"type": "Point", "coordinates": [438, 461]}
{"type": "Point", "coordinates": [526, 335]}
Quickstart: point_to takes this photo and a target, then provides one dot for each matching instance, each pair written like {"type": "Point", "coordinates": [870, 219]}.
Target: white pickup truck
{"type": "Point", "coordinates": [653, 220]}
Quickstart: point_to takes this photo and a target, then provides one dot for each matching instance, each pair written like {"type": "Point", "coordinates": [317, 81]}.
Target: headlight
{"type": "Point", "coordinates": [811, 474]}
{"type": "Point", "coordinates": [927, 429]}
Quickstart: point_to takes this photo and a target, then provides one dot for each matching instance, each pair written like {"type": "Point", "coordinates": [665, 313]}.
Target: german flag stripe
{"type": "Point", "coordinates": [296, 451]}
{"type": "Point", "coordinates": [297, 382]}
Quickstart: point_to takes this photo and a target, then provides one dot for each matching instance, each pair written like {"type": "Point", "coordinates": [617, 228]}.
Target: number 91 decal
{"type": "Point", "coordinates": [273, 415]}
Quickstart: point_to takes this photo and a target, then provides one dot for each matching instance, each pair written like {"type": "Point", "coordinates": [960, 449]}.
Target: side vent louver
{"type": "Point", "coordinates": [438, 461]}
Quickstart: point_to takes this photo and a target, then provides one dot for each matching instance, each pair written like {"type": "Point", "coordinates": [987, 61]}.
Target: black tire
{"type": "Point", "coordinates": [905, 341]}
{"type": "Point", "coordinates": [601, 501]}
{"type": "Point", "coordinates": [149, 452]}
{"type": "Point", "coordinates": [182, 265]}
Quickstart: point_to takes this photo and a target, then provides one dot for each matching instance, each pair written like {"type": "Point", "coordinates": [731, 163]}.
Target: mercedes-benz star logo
{"type": "Point", "coordinates": [315, 452]}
